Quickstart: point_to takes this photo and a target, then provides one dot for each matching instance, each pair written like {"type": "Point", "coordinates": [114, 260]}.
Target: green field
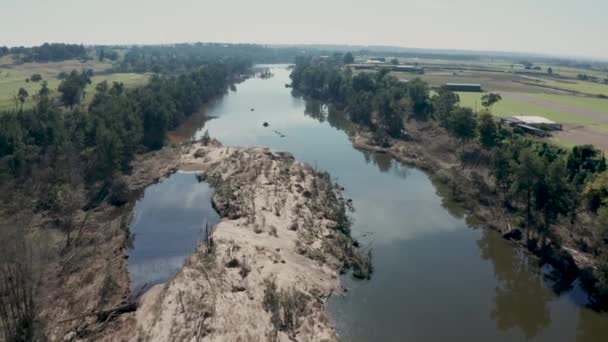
{"type": "Point", "coordinates": [13, 77]}
{"type": "Point", "coordinates": [563, 108]}
{"type": "Point", "coordinates": [590, 88]}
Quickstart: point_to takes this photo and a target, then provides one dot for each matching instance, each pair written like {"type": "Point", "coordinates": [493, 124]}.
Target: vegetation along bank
{"type": "Point", "coordinates": [549, 198]}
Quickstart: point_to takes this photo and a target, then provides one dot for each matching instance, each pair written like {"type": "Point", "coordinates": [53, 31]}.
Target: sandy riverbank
{"type": "Point", "coordinates": [275, 256]}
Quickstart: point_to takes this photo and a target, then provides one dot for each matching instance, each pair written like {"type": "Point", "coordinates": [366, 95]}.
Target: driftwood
{"type": "Point", "coordinates": [103, 315]}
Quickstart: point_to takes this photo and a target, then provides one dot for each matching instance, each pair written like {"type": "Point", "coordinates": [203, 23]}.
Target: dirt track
{"type": "Point", "coordinates": [578, 134]}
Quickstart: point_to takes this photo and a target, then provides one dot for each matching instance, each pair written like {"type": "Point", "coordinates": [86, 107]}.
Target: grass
{"type": "Point", "coordinates": [590, 88]}
{"type": "Point", "coordinates": [509, 107]}
{"type": "Point", "coordinates": [13, 79]}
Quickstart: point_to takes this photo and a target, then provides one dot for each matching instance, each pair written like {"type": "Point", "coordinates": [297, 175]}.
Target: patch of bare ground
{"type": "Point", "coordinates": [466, 179]}
{"type": "Point", "coordinates": [263, 275]}
{"type": "Point", "coordinates": [581, 135]}
{"type": "Point", "coordinates": [270, 263]}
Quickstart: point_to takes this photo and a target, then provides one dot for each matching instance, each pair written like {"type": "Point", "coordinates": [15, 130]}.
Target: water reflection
{"type": "Point", "coordinates": [591, 326]}
{"type": "Point", "coordinates": [166, 227]}
{"type": "Point", "coordinates": [436, 278]}
{"type": "Point", "coordinates": [520, 299]}
{"type": "Point", "coordinates": [383, 161]}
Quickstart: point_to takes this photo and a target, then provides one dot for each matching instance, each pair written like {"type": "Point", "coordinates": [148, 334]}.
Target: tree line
{"type": "Point", "coordinates": [540, 182]}
{"type": "Point", "coordinates": [53, 52]}
{"type": "Point", "coordinates": [102, 140]}
{"type": "Point", "coordinates": [178, 58]}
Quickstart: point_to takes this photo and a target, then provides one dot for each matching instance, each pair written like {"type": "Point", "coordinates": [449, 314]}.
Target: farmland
{"type": "Point", "coordinates": [559, 96]}
{"type": "Point", "coordinates": [14, 76]}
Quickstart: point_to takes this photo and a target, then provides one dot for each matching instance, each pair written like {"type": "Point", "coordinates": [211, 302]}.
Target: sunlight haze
{"type": "Point", "coordinates": [572, 28]}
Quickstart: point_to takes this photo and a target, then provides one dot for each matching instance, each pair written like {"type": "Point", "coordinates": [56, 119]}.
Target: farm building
{"type": "Point", "coordinates": [408, 68]}
{"type": "Point", "coordinates": [536, 125]}
{"type": "Point", "coordinates": [472, 87]}
{"type": "Point", "coordinates": [533, 121]}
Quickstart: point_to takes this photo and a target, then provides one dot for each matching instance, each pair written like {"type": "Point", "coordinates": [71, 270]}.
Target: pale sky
{"type": "Point", "coordinates": [565, 27]}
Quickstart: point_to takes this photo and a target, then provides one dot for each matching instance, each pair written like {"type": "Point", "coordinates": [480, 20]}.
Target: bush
{"type": "Point", "coordinates": [36, 78]}
{"type": "Point", "coordinates": [286, 307]}
{"type": "Point", "coordinates": [380, 138]}
{"type": "Point", "coordinates": [119, 193]}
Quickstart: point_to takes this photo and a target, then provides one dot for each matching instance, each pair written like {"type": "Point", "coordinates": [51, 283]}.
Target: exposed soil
{"type": "Point", "coordinates": [278, 226]}
{"type": "Point", "coordinates": [283, 235]}
{"type": "Point", "coordinates": [580, 135]}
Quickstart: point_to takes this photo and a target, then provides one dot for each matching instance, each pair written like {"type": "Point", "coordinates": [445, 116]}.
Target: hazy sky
{"type": "Point", "coordinates": [545, 26]}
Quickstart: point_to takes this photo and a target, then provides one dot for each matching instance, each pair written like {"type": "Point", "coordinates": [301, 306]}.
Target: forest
{"type": "Point", "coordinates": [62, 156]}
{"type": "Point", "coordinates": [545, 186]}
{"type": "Point", "coordinates": [46, 52]}
{"type": "Point", "coordinates": [180, 57]}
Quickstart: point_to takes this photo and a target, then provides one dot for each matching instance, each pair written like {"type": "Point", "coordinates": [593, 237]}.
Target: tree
{"type": "Point", "coordinates": [584, 161]}
{"type": "Point", "coordinates": [22, 95]}
{"type": "Point", "coordinates": [418, 92]}
{"type": "Point", "coordinates": [36, 78]}
{"type": "Point", "coordinates": [596, 191]}
{"type": "Point", "coordinates": [502, 169]}
{"type": "Point", "coordinates": [72, 87]}
{"type": "Point", "coordinates": [527, 172]}
{"type": "Point", "coordinates": [394, 61]}
{"type": "Point", "coordinates": [360, 108]}
{"type": "Point", "coordinates": [348, 58]}
{"type": "Point", "coordinates": [442, 103]}
{"type": "Point", "coordinates": [390, 112]}
{"type": "Point", "coordinates": [487, 129]}
{"type": "Point", "coordinates": [552, 194]}
{"type": "Point", "coordinates": [550, 71]}
{"type": "Point", "coordinates": [462, 125]}
{"type": "Point", "coordinates": [488, 100]}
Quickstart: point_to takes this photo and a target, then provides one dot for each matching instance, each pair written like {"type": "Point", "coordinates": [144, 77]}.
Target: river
{"type": "Point", "coordinates": [437, 276]}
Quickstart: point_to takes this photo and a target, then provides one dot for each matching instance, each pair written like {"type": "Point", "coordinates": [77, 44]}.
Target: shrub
{"type": "Point", "coordinates": [286, 307]}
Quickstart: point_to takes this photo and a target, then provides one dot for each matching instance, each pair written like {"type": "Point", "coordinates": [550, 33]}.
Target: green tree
{"type": "Point", "coordinates": [390, 112]}
{"type": "Point", "coordinates": [348, 58]}
{"type": "Point", "coordinates": [527, 173]}
{"type": "Point", "coordinates": [443, 102]}
{"type": "Point", "coordinates": [487, 129]}
{"type": "Point", "coordinates": [22, 96]}
{"type": "Point", "coordinates": [463, 125]}
{"type": "Point", "coordinates": [552, 195]}
{"type": "Point", "coordinates": [583, 162]}
{"type": "Point", "coordinates": [72, 87]}
{"type": "Point", "coordinates": [596, 191]}
{"type": "Point", "coordinates": [418, 93]}
{"type": "Point", "coordinates": [550, 71]}
{"type": "Point", "coordinates": [488, 100]}
{"type": "Point", "coordinates": [394, 61]}
{"type": "Point", "coordinates": [502, 162]}
{"type": "Point", "coordinates": [360, 108]}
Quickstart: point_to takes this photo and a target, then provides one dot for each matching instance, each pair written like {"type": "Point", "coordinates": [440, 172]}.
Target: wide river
{"type": "Point", "coordinates": [437, 276]}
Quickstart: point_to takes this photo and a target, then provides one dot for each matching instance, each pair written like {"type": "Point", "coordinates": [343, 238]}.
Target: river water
{"type": "Point", "coordinates": [437, 276]}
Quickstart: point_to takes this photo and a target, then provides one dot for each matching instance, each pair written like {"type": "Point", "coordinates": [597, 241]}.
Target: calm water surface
{"type": "Point", "coordinates": [166, 227]}
{"type": "Point", "coordinates": [437, 277]}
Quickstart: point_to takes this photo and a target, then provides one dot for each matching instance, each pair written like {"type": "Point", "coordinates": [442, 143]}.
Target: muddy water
{"type": "Point", "coordinates": [437, 276]}
{"type": "Point", "coordinates": [167, 223]}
